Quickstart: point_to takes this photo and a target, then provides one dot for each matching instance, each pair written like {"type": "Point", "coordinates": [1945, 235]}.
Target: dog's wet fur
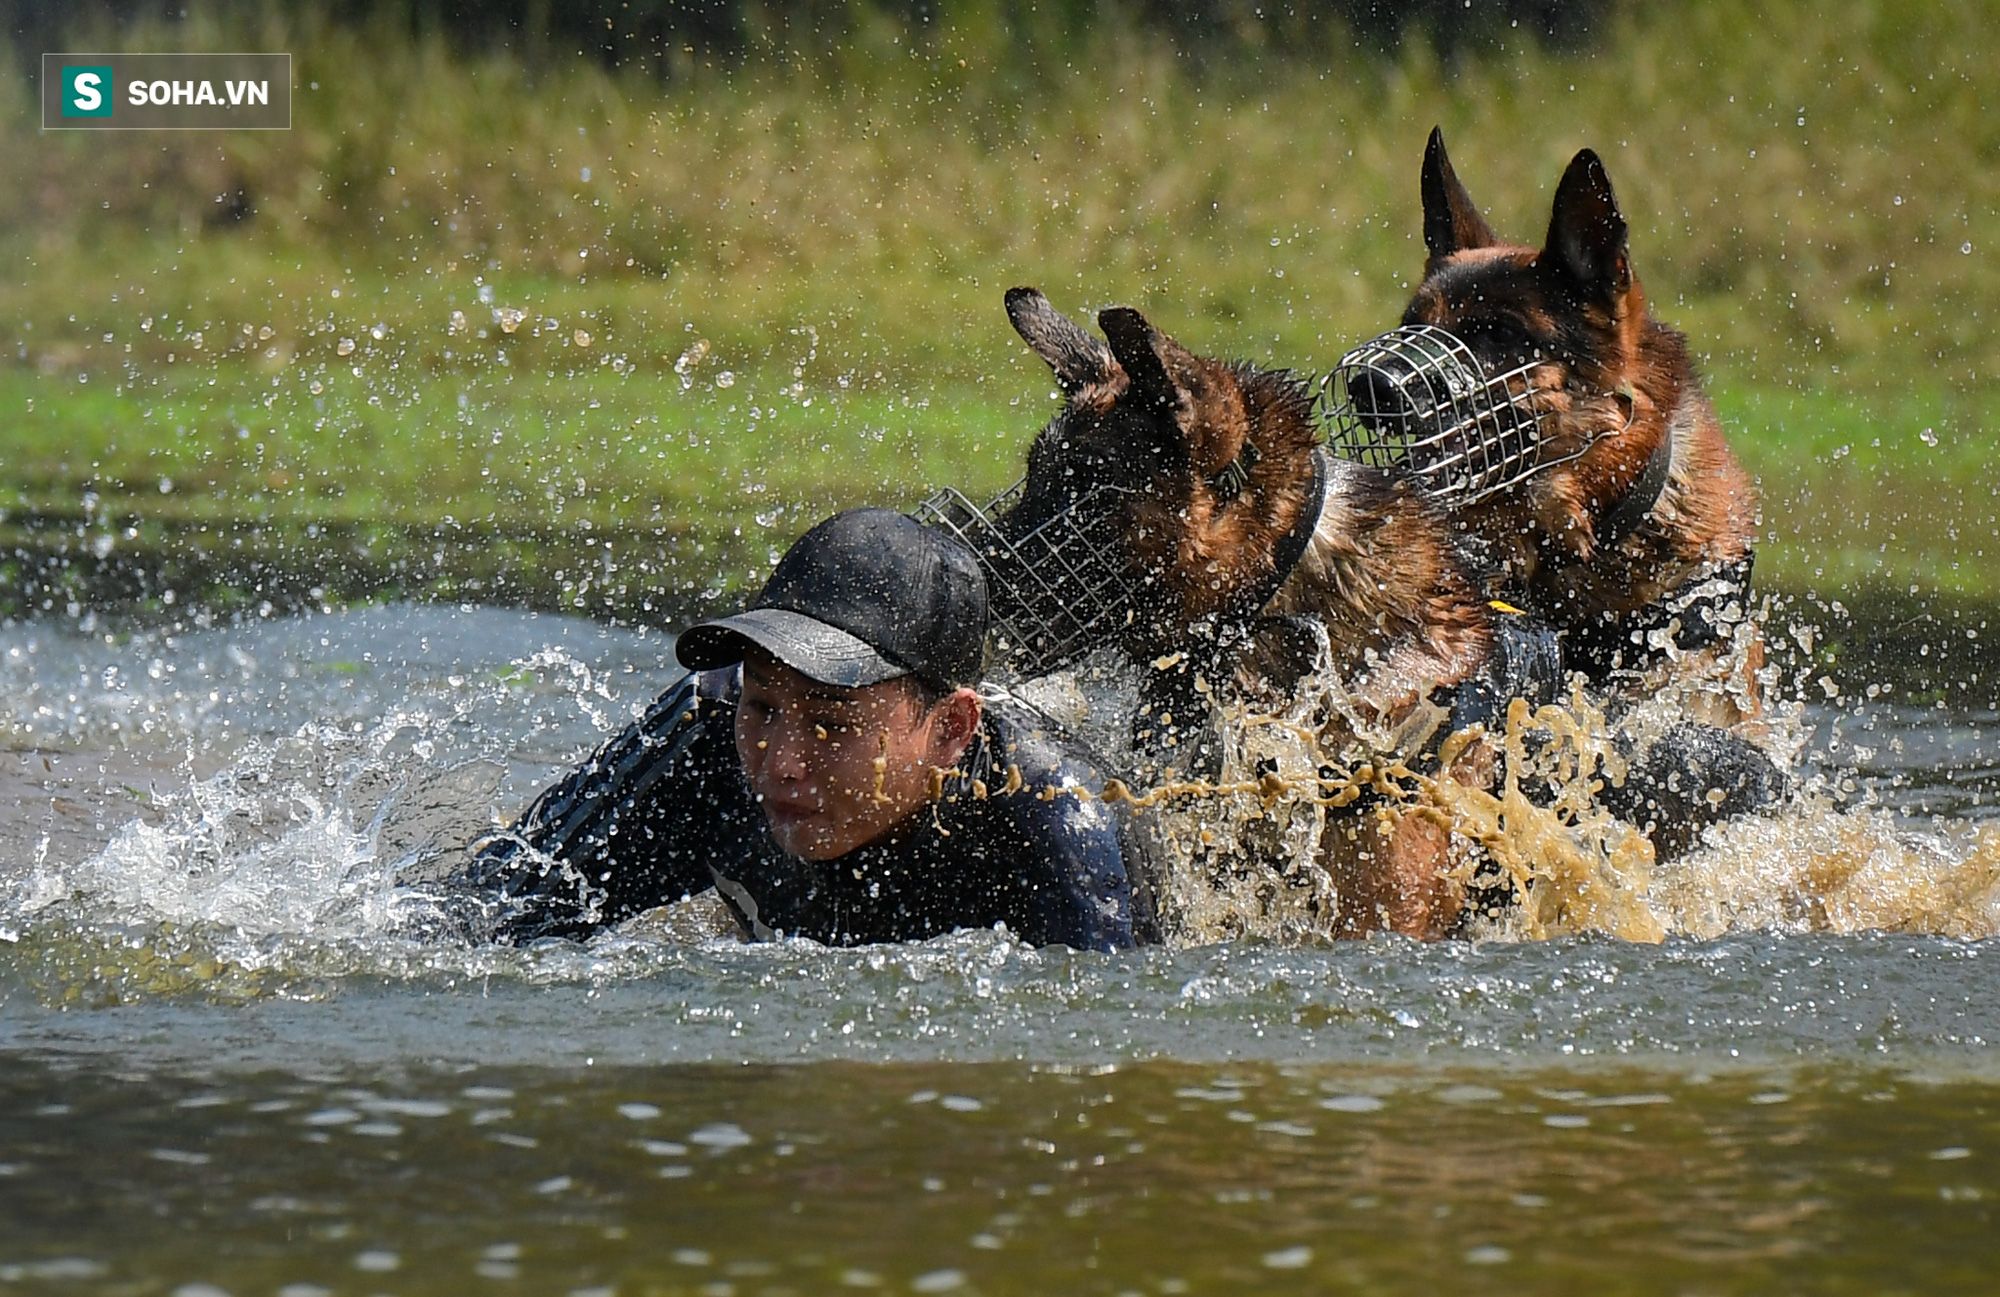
{"type": "Point", "coordinates": [1615, 380]}
{"type": "Point", "coordinates": [1381, 571]}
{"type": "Point", "coordinates": [1404, 589]}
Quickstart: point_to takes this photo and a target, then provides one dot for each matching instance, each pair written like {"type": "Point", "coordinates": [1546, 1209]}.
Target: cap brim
{"type": "Point", "coordinates": [809, 646]}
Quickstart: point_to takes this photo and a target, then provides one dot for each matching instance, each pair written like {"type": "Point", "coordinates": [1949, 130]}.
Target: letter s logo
{"type": "Point", "coordinates": [86, 92]}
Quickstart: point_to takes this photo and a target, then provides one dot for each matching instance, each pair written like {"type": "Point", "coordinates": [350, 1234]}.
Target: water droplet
{"type": "Point", "coordinates": [1466, 1094]}
{"type": "Point", "coordinates": [720, 1135]}
{"type": "Point", "coordinates": [345, 347]}
{"type": "Point", "coordinates": [661, 1147]}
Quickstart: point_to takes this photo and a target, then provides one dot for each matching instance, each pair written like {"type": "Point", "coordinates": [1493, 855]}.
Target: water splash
{"type": "Point", "coordinates": [1247, 854]}
{"type": "Point", "coordinates": [314, 854]}
{"type": "Point", "coordinates": [307, 834]}
{"type": "Point", "coordinates": [1815, 868]}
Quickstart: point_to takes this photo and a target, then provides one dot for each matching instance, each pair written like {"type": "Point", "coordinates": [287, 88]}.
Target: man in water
{"type": "Point", "coordinates": [830, 770]}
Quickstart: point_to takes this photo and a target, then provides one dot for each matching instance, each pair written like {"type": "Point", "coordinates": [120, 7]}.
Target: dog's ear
{"type": "Point", "coordinates": [1136, 344]}
{"type": "Point", "coordinates": [1200, 398]}
{"type": "Point", "coordinates": [1452, 222]}
{"type": "Point", "coordinates": [1078, 359]}
{"type": "Point", "coordinates": [1587, 244]}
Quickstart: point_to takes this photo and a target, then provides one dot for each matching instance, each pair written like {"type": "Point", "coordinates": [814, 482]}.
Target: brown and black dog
{"type": "Point", "coordinates": [1231, 523]}
{"type": "Point", "coordinates": [1217, 461]}
{"type": "Point", "coordinates": [1649, 527]}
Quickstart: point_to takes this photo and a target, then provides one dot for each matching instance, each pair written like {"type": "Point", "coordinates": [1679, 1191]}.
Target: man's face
{"type": "Point", "coordinates": [834, 769]}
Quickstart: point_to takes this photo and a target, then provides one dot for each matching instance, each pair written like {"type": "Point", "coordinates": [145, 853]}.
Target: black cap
{"type": "Point", "coordinates": [866, 596]}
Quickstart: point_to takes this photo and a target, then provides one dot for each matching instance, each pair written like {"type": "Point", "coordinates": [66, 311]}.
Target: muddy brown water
{"type": "Point", "coordinates": [223, 1069]}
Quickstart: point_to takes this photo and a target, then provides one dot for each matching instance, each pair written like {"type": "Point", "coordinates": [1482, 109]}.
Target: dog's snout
{"type": "Point", "coordinates": [1386, 402]}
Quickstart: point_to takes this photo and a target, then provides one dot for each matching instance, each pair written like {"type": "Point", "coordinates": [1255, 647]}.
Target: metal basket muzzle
{"type": "Point", "coordinates": [1057, 592]}
{"type": "Point", "coordinates": [1417, 398]}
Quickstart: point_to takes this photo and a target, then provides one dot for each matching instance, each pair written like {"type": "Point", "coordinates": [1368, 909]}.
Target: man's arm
{"type": "Point", "coordinates": [621, 833]}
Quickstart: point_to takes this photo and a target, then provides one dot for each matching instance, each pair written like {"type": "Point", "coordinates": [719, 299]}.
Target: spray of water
{"type": "Point", "coordinates": [1246, 856]}
{"type": "Point", "coordinates": [318, 853]}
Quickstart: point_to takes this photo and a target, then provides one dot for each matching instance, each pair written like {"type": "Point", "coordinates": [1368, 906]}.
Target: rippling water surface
{"type": "Point", "coordinates": [221, 1065]}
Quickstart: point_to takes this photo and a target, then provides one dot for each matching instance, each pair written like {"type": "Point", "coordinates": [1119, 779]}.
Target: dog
{"type": "Point", "coordinates": [1234, 529]}
{"type": "Point", "coordinates": [1637, 549]}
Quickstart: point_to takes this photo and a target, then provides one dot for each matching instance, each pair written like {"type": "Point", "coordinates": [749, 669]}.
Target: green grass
{"type": "Point", "coordinates": [837, 228]}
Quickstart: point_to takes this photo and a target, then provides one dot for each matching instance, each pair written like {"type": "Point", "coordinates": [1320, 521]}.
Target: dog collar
{"type": "Point", "coordinates": [1637, 506]}
{"type": "Point", "coordinates": [1293, 547]}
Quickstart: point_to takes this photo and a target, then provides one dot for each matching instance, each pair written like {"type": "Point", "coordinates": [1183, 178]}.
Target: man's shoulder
{"type": "Point", "coordinates": [1020, 733]}
{"type": "Point", "coordinates": [1050, 780]}
{"type": "Point", "coordinates": [1044, 795]}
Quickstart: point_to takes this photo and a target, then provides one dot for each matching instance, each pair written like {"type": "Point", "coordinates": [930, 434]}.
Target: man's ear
{"type": "Point", "coordinates": [954, 723]}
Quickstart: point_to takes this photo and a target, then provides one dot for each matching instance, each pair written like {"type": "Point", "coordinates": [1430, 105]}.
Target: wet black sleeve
{"type": "Point", "coordinates": [1086, 901]}
{"type": "Point", "coordinates": [1071, 885]}
{"type": "Point", "coordinates": [637, 824]}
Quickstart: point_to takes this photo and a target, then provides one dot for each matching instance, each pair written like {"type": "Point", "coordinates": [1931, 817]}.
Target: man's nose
{"type": "Point", "coordinates": [785, 757]}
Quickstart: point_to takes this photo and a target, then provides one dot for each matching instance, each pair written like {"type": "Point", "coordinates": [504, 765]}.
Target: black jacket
{"type": "Point", "coordinates": [663, 811]}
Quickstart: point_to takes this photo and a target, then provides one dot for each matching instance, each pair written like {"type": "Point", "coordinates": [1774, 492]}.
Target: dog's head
{"type": "Point", "coordinates": [1192, 469]}
{"type": "Point", "coordinates": [1571, 311]}
{"type": "Point", "coordinates": [1142, 415]}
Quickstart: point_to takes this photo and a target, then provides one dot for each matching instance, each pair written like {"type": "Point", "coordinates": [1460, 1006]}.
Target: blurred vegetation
{"type": "Point", "coordinates": [667, 37]}
{"type": "Point", "coordinates": [486, 291]}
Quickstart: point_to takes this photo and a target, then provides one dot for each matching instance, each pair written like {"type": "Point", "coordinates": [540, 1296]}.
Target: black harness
{"type": "Point", "coordinates": [1647, 488]}
{"type": "Point", "coordinates": [1526, 662]}
{"type": "Point", "coordinates": [1707, 607]}
{"type": "Point", "coordinates": [1704, 610]}
{"type": "Point", "coordinates": [1293, 547]}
